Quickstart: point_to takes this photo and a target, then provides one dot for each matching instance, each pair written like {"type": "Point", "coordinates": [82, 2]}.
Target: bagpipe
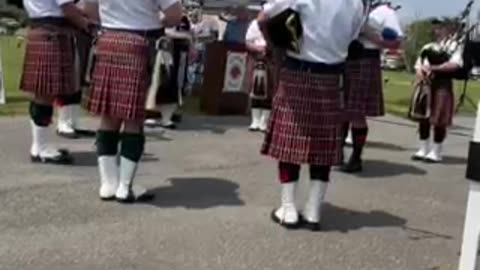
{"type": "Point", "coordinates": [284, 31]}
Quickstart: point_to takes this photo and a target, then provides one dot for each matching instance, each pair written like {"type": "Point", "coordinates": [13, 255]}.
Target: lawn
{"type": "Point", "coordinates": [12, 59]}
{"type": "Point", "coordinates": [397, 87]}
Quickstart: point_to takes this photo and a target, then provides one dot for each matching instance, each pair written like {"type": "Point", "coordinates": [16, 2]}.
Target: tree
{"type": "Point", "coordinates": [419, 33]}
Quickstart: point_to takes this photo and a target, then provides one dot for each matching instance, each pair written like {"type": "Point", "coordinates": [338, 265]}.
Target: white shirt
{"type": "Point", "coordinates": [380, 18]}
{"type": "Point", "coordinates": [132, 14]}
{"type": "Point", "coordinates": [45, 8]}
{"type": "Point", "coordinates": [254, 35]}
{"type": "Point", "coordinates": [329, 26]}
{"type": "Point", "coordinates": [448, 45]}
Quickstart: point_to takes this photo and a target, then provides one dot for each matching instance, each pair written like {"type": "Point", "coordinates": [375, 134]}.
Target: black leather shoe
{"type": "Point", "coordinates": [68, 135]}
{"type": "Point", "coordinates": [353, 166]}
{"type": "Point", "coordinates": [132, 198]}
{"type": "Point", "coordinates": [289, 226]}
{"type": "Point", "coordinates": [85, 133]}
{"type": "Point", "coordinates": [63, 159]}
{"type": "Point", "coordinates": [312, 226]}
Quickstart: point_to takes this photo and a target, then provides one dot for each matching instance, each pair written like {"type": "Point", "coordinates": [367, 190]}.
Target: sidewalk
{"type": "Point", "coordinates": [214, 194]}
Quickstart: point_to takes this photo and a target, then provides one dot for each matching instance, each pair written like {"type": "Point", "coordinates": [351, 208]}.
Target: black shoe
{"type": "Point", "coordinates": [68, 135]}
{"type": "Point", "coordinates": [311, 226]}
{"type": "Point", "coordinates": [132, 198]}
{"type": "Point", "coordinates": [85, 133]}
{"type": "Point", "coordinates": [177, 118]}
{"type": "Point", "coordinates": [253, 129]}
{"type": "Point", "coordinates": [170, 126]}
{"type": "Point", "coordinates": [353, 166]}
{"type": "Point", "coordinates": [289, 226]}
{"type": "Point", "coordinates": [63, 159]}
{"type": "Point", "coordinates": [417, 158]}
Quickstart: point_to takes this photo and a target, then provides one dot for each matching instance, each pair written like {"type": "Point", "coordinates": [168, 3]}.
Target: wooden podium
{"type": "Point", "coordinates": [217, 98]}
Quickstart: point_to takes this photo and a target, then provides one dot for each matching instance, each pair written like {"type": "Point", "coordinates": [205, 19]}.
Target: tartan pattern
{"type": "Point", "coordinates": [48, 69]}
{"type": "Point", "coordinates": [442, 106]}
{"type": "Point", "coordinates": [363, 87]}
{"type": "Point", "coordinates": [120, 78]}
{"type": "Point", "coordinates": [305, 124]}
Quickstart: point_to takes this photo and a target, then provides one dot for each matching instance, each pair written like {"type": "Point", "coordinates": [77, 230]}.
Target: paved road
{"type": "Point", "coordinates": [214, 195]}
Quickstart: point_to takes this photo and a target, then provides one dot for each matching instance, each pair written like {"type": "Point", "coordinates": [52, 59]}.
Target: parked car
{"type": "Point", "coordinates": [393, 60]}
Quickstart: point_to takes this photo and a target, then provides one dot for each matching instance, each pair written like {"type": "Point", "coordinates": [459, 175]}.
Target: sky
{"type": "Point", "coordinates": [426, 8]}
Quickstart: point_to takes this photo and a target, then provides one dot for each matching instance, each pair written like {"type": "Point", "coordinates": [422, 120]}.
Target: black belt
{"type": "Point", "coordinates": [370, 53]}
{"type": "Point", "coordinates": [149, 34]}
{"type": "Point", "coordinates": [305, 66]}
{"type": "Point", "coordinates": [45, 21]}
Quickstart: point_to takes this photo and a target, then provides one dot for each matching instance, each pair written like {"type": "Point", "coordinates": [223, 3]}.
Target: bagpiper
{"type": "Point", "coordinates": [363, 77]}
{"type": "Point", "coordinates": [131, 34]}
{"type": "Point", "coordinates": [168, 100]}
{"type": "Point", "coordinates": [49, 67]}
{"type": "Point", "coordinates": [436, 65]}
{"type": "Point", "coordinates": [263, 79]}
{"type": "Point", "coordinates": [68, 106]}
{"type": "Point", "coordinates": [307, 109]}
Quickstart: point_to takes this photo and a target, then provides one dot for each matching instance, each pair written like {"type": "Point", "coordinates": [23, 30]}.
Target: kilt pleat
{"type": "Point", "coordinates": [305, 122]}
{"type": "Point", "coordinates": [364, 88]}
{"type": "Point", "coordinates": [48, 68]}
{"type": "Point", "coordinates": [442, 106]}
{"type": "Point", "coordinates": [120, 76]}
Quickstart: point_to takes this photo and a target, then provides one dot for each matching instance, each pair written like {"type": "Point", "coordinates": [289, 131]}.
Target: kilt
{"type": "Point", "coordinates": [261, 97]}
{"type": "Point", "coordinates": [363, 86]}
{"type": "Point", "coordinates": [120, 76]}
{"type": "Point", "coordinates": [442, 105]}
{"type": "Point", "coordinates": [48, 69]}
{"type": "Point", "coordinates": [305, 124]}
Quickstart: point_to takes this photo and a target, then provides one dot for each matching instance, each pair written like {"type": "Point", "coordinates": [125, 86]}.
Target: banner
{"type": "Point", "coordinates": [2, 84]}
{"type": "Point", "coordinates": [235, 72]}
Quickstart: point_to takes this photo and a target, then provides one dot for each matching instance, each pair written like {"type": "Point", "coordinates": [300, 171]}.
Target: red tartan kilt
{"type": "Point", "coordinates": [48, 69]}
{"type": "Point", "coordinates": [364, 87]}
{"type": "Point", "coordinates": [120, 76]}
{"type": "Point", "coordinates": [442, 106]}
{"type": "Point", "coordinates": [305, 121]}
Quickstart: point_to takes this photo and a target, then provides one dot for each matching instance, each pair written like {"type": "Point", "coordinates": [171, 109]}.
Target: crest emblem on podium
{"type": "Point", "coordinates": [235, 72]}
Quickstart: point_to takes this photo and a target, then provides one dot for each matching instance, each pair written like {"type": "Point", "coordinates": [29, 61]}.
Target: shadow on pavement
{"type": "Point", "coordinates": [383, 168]}
{"type": "Point", "coordinates": [216, 125]}
{"type": "Point", "coordinates": [450, 160]}
{"type": "Point", "coordinates": [385, 146]}
{"type": "Point", "coordinates": [345, 220]}
{"type": "Point", "coordinates": [196, 193]}
{"type": "Point", "coordinates": [89, 159]}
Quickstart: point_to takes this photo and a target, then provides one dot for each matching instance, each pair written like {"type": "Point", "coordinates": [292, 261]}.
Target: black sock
{"type": "Point", "coordinates": [359, 136]}
{"type": "Point", "coordinates": [107, 143]}
{"type": "Point", "coordinates": [41, 114]}
{"type": "Point", "coordinates": [424, 130]}
{"type": "Point", "coordinates": [440, 133]}
{"type": "Point", "coordinates": [133, 145]}
{"type": "Point", "coordinates": [288, 172]}
{"type": "Point", "coordinates": [320, 173]}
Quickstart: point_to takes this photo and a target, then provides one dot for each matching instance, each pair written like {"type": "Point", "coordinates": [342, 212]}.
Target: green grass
{"type": "Point", "coordinates": [397, 90]}
{"type": "Point", "coordinates": [12, 60]}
